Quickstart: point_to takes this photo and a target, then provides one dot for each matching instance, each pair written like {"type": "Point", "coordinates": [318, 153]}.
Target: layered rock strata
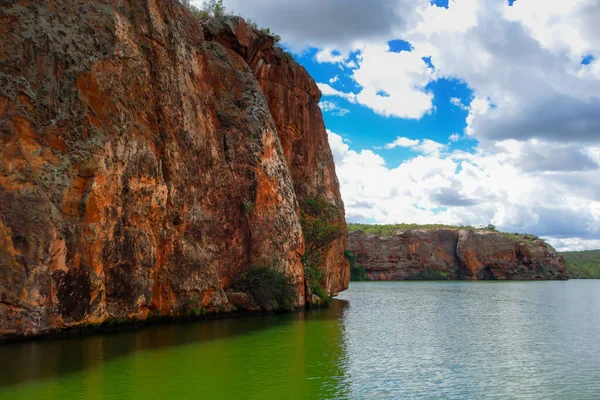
{"type": "Point", "coordinates": [455, 254]}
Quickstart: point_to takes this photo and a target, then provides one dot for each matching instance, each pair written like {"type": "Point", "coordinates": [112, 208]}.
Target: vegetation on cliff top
{"type": "Point", "coordinates": [322, 224]}
{"type": "Point", "coordinates": [390, 230]}
{"type": "Point", "coordinates": [216, 9]}
{"type": "Point", "coordinates": [583, 264]}
{"type": "Point", "coordinates": [211, 8]}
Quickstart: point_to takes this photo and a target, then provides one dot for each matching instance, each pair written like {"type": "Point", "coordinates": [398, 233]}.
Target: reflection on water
{"type": "Point", "coordinates": [454, 340]}
{"type": "Point", "coordinates": [298, 355]}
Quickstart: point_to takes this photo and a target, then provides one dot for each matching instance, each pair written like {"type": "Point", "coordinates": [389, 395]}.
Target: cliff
{"type": "Point", "coordinates": [147, 162]}
{"type": "Point", "coordinates": [455, 254]}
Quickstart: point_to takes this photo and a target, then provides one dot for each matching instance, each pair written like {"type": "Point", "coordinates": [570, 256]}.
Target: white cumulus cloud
{"type": "Point", "coordinates": [333, 108]}
{"type": "Point", "coordinates": [473, 189]}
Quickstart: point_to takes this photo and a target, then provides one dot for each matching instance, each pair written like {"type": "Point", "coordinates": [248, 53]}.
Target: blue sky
{"type": "Point", "coordinates": [366, 129]}
{"type": "Point", "coordinates": [458, 112]}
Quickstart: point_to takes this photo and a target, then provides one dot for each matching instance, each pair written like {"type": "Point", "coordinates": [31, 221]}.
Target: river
{"type": "Point", "coordinates": [379, 340]}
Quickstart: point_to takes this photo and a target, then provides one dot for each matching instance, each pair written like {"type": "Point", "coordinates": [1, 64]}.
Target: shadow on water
{"type": "Point", "coordinates": [42, 360]}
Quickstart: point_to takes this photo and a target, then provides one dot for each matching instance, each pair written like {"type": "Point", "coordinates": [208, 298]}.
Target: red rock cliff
{"type": "Point", "coordinates": [455, 254]}
{"type": "Point", "coordinates": [293, 98]}
{"type": "Point", "coordinates": [144, 165]}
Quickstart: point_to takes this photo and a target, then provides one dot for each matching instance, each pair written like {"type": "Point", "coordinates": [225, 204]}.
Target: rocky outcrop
{"type": "Point", "coordinates": [293, 98]}
{"type": "Point", "coordinates": [143, 165]}
{"type": "Point", "coordinates": [455, 254]}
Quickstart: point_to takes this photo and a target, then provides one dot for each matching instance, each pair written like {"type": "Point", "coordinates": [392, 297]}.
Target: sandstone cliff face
{"type": "Point", "coordinates": [454, 254]}
{"type": "Point", "coordinates": [141, 164]}
{"type": "Point", "coordinates": [293, 98]}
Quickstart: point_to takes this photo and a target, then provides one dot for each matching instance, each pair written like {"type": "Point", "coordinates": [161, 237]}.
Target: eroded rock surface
{"type": "Point", "coordinates": [293, 98]}
{"type": "Point", "coordinates": [143, 165]}
{"type": "Point", "coordinates": [454, 254]}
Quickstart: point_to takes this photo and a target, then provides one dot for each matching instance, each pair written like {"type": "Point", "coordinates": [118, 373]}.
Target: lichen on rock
{"type": "Point", "coordinates": [146, 160]}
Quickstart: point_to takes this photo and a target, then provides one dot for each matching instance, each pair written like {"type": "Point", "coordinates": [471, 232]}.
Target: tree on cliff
{"type": "Point", "coordinates": [321, 225]}
{"type": "Point", "coordinates": [211, 8]}
{"type": "Point", "coordinates": [215, 8]}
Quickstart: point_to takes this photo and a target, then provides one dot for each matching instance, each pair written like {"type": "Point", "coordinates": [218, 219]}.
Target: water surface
{"type": "Point", "coordinates": [454, 340]}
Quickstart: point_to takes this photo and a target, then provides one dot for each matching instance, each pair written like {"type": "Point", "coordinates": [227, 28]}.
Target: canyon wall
{"type": "Point", "coordinates": [455, 254]}
{"type": "Point", "coordinates": [146, 160]}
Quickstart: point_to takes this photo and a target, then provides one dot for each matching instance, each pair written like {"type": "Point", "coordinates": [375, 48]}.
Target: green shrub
{"type": "Point", "coordinates": [251, 24]}
{"type": "Point", "coordinates": [269, 289]}
{"type": "Point", "coordinates": [276, 38]}
{"type": "Point", "coordinates": [357, 272]}
{"type": "Point", "coordinates": [215, 8]}
{"type": "Point", "coordinates": [429, 275]}
{"type": "Point", "coordinates": [322, 224]}
{"type": "Point", "coordinates": [199, 312]}
{"type": "Point", "coordinates": [199, 14]}
{"type": "Point", "coordinates": [324, 298]}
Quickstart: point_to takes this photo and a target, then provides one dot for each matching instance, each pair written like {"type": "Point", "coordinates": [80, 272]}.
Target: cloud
{"type": "Point", "coordinates": [473, 189]}
{"type": "Point", "coordinates": [332, 107]}
{"type": "Point", "coordinates": [334, 79]}
{"type": "Point", "coordinates": [393, 84]}
{"type": "Point", "coordinates": [533, 110]}
{"type": "Point", "coordinates": [428, 146]}
{"type": "Point", "coordinates": [448, 197]}
{"type": "Point", "coordinates": [534, 155]}
{"type": "Point", "coordinates": [574, 244]}
{"type": "Point", "coordinates": [523, 64]}
{"type": "Point", "coordinates": [524, 59]}
{"type": "Point", "coordinates": [425, 146]}
{"type": "Point", "coordinates": [556, 118]}
{"type": "Point", "coordinates": [328, 24]}
{"type": "Point", "coordinates": [402, 142]}
{"type": "Point", "coordinates": [334, 57]}
{"type": "Point", "coordinates": [458, 103]}
{"type": "Point", "coordinates": [327, 90]}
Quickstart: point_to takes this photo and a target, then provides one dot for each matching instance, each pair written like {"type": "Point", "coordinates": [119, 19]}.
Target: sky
{"type": "Point", "coordinates": [470, 112]}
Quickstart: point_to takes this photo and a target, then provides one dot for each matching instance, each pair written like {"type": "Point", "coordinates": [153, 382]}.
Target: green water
{"type": "Point", "coordinates": [454, 340]}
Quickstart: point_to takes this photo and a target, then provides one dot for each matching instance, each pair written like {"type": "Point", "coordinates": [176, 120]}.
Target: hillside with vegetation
{"type": "Point", "coordinates": [391, 229]}
{"type": "Point", "coordinates": [583, 264]}
{"type": "Point", "coordinates": [443, 252]}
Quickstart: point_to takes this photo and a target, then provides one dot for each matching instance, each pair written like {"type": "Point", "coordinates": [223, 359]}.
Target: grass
{"type": "Point", "coordinates": [390, 230]}
{"type": "Point", "coordinates": [583, 264]}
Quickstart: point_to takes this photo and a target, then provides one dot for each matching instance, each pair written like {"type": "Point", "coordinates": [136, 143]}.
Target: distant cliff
{"type": "Point", "coordinates": [455, 254]}
{"type": "Point", "coordinates": [148, 162]}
